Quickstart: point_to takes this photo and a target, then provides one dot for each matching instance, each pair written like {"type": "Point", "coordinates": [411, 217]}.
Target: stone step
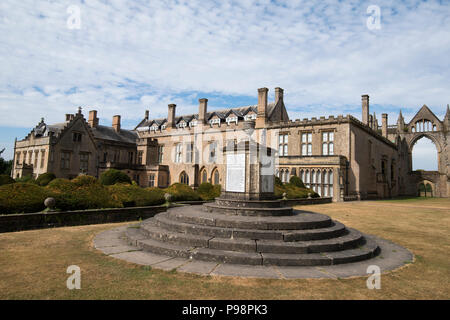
{"type": "Point", "coordinates": [298, 221]}
{"type": "Point", "coordinates": [153, 231]}
{"type": "Point", "coordinates": [222, 256]}
{"type": "Point", "coordinates": [366, 251]}
{"type": "Point", "coordinates": [336, 230]}
{"type": "Point", "coordinates": [350, 240]}
{"type": "Point", "coordinates": [243, 211]}
{"type": "Point", "coordinates": [165, 248]}
{"type": "Point", "coordinates": [228, 202]}
{"type": "Point", "coordinates": [164, 221]}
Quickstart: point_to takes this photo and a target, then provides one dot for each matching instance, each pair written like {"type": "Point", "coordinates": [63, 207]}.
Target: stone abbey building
{"type": "Point", "coordinates": [339, 157]}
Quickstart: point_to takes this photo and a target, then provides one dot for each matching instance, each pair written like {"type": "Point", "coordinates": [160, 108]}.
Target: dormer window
{"type": "Point", "coordinates": [193, 123]}
{"type": "Point", "coordinates": [163, 127]}
{"type": "Point", "coordinates": [250, 117]}
{"type": "Point", "coordinates": [214, 121]}
{"type": "Point", "coordinates": [182, 124]}
{"type": "Point", "coordinates": [232, 119]}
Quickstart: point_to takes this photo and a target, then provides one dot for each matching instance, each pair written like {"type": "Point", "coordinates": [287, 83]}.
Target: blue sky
{"type": "Point", "coordinates": [131, 56]}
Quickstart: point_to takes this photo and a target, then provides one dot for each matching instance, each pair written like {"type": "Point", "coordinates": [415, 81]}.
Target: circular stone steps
{"type": "Point", "coordinates": [296, 221]}
{"type": "Point", "coordinates": [301, 239]}
{"type": "Point", "coordinates": [247, 211]}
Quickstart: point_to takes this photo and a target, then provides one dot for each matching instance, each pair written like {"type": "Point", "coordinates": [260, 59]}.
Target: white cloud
{"type": "Point", "coordinates": [129, 56]}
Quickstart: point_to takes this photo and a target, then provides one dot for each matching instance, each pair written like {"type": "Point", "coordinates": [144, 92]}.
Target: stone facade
{"type": "Point", "coordinates": [341, 157]}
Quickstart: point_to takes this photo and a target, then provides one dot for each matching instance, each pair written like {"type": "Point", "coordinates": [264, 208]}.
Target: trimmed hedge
{"type": "Point", "coordinates": [182, 192]}
{"type": "Point", "coordinates": [113, 176]}
{"type": "Point", "coordinates": [5, 179]}
{"type": "Point", "coordinates": [208, 191]}
{"type": "Point", "coordinates": [293, 192]}
{"type": "Point", "coordinates": [22, 197]}
{"type": "Point", "coordinates": [83, 192]}
{"type": "Point", "coordinates": [296, 181]}
{"type": "Point", "coordinates": [135, 196]}
{"type": "Point", "coordinates": [278, 181]}
{"type": "Point", "coordinates": [45, 178]}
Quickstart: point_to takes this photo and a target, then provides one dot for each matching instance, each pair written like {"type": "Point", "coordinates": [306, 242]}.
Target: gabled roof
{"type": "Point", "coordinates": [221, 114]}
{"type": "Point", "coordinates": [425, 113]}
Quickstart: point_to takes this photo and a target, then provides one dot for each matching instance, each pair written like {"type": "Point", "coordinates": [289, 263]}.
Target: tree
{"type": "Point", "coordinates": [5, 165]}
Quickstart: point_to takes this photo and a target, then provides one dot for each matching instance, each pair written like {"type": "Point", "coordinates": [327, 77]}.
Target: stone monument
{"type": "Point", "coordinates": [247, 225]}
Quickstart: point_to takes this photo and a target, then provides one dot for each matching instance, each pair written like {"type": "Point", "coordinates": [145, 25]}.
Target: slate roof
{"type": "Point", "coordinates": [108, 133]}
{"type": "Point", "coordinates": [99, 132]}
{"type": "Point", "coordinates": [240, 112]}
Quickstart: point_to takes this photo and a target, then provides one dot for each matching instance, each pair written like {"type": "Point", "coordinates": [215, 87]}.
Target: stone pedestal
{"type": "Point", "coordinates": [249, 172]}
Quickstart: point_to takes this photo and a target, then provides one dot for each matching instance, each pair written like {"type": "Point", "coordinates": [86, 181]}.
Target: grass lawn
{"type": "Point", "coordinates": [34, 263]}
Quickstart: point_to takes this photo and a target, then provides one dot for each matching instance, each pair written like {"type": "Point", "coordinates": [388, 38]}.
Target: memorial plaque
{"type": "Point", "coordinates": [235, 172]}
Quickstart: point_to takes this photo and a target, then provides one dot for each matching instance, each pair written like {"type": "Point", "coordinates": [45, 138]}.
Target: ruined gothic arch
{"type": "Point", "coordinates": [426, 184]}
{"type": "Point", "coordinates": [430, 135]}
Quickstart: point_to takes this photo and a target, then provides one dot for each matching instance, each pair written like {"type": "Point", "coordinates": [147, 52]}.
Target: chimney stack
{"type": "Point", "coordinates": [370, 121]}
{"type": "Point", "coordinates": [202, 110]}
{"type": "Point", "coordinates": [171, 116]}
{"type": "Point", "coordinates": [116, 123]}
{"type": "Point", "coordinates": [93, 120]}
{"type": "Point", "coordinates": [147, 114]}
{"type": "Point", "coordinates": [278, 94]}
{"type": "Point", "coordinates": [262, 108]}
{"type": "Point", "coordinates": [384, 125]}
{"type": "Point", "coordinates": [365, 109]}
{"type": "Point", "coordinates": [69, 117]}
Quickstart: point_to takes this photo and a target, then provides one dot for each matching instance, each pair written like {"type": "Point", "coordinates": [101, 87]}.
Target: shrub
{"type": "Point", "coordinates": [22, 197]}
{"type": "Point", "coordinates": [84, 180]}
{"type": "Point", "coordinates": [182, 192]}
{"type": "Point", "coordinates": [45, 178]}
{"type": "Point", "coordinates": [278, 181]}
{"type": "Point", "coordinates": [113, 176]}
{"type": "Point", "coordinates": [296, 181]}
{"type": "Point", "coordinates": [208, 191]}
{"type": "Point", "coordinates": [293, 192]}
{"type": "Point", "coordinates": [5, 179]}
{"type": "Point", "coordinates": [83, 192]}
{"type": "Point", "coordinates": [132, 195]}
{"type": "Point", "coordinates": [26, 179]}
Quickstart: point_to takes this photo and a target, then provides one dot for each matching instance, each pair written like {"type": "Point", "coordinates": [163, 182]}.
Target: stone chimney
{"type": "Point", "coordinates": [69, 116]}
{"type": "Point", "coordinates": [370, 124]}
{"type": "Point", "coordinates": [202, 110]}
{"type": "Point", "coordinates": [262, 108]}
{"type": "Point", "coordinates": [278, 94]}
{"type": "Point", "coordinates": [384, 125]}
{"type": "Point", "coordinates": [116, 123]}
{"type": "Point", "coordinates": [147, 114]}
{"type": "Point", "coordinates": [365, 109]}
{"type": "Point", "coordinates": [171, 116]}
{"type": "Point", "coordinates": [93, 120]}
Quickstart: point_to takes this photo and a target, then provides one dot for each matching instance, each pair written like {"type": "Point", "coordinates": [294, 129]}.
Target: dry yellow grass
{"type": "Point", "coordinates": [34, 263]}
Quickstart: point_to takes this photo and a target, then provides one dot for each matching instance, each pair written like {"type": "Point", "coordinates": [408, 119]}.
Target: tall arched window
{"type": "Point", "coordinates": [330, 178]}
{"type": "Point", "coordinates": [319, 182]}
{"type": "Point", "coordinates": [287, 175]}
{"type": "Point", "coordinates": [184, 178]}
{"type": "Point", "coordinates": [307, 178]}
{"type": "Point", "coordinates": [313, 180]}
{"type": "Point", "coordinates": [203, 176]}
{"type": "Point", "coordinates": [215, 177]}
